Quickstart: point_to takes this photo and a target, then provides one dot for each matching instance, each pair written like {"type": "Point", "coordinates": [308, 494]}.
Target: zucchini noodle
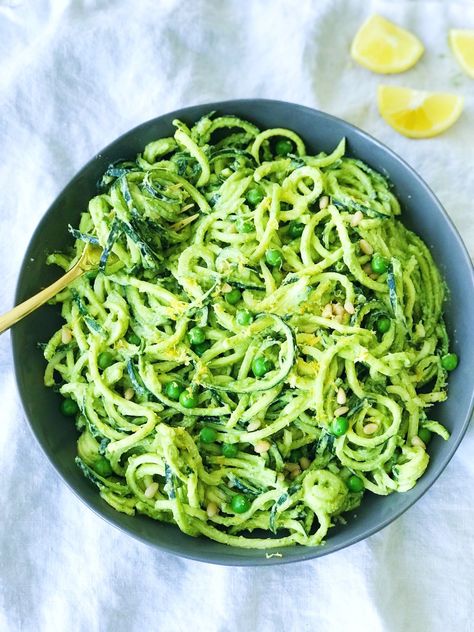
{"type": "Point", "coordinates": [260, 343]}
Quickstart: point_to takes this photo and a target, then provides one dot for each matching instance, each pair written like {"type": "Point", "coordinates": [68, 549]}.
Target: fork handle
{"type": "Point", "coordinates": [28, 306]}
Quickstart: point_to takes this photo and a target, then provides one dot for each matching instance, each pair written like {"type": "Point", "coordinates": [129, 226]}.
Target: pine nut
{"type": "Point", "coordinates": [340, 411]}
{"type": "Point", "coordinates": [370, 428]}
{"type": "Point", "coordinates": [280, 477]}
{"type": "Point", "coordinates": [327, 311]}
{"type": "Point", "coordinates": [295, 473]}
{"type": "Point", "coordinates": [291, 466]}
{"type": "Point", "coordinates": [367, 269]}
{"type": "Point", "coordinates": [66, 335]}
{"type": "Point", "coordinates": [262, 446]}
{"type": "Point", "coordinates": [356, 218]}
{"type": "Point", "coordinates": [366, 247]}
{"type": "Point", "coordinates": [339, 318]}
{"type": "Point", "coordinates": [349, 307]}
{"type": "Point", "coordinates": [253, 425]}
{"type": "Point", "coordinates": [323, 202]}
{"type": "Point", "coordinates": [304, 462]}
{"type": "Point", "coordinates": [212, 509]}
{"type": "Point", "coordinates": [341, 396]}
{"type": "Point", "coordinates": [416, 441]}
{"type": "Point", "coordinates": [337, 308]}
{"type": "Point", "coordinates": [151, 490]}
{"type": "Point", "coordinates": [226, 288]}
{"type": "Point", "coordinates": [129, 393]}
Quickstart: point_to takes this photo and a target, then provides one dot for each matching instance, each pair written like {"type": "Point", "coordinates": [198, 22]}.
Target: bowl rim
{"type": "Point", "coordinates": [305, 553]}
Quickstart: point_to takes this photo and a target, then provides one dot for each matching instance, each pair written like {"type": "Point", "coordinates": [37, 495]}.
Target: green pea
{"type": "Point", "coordinates": [196, 335]}
{"type": "Point", "coordinates": [105, 359]}
{"type": "Point", "coordinates": [207, 434]}
{"type": "Point", "coordinates": [133, 339]}
{"type": "Point", "coordinates": [339, 426]}
{"type": "Point", "coordinates": [243, 225]}
{"type": "Point", "coordinates": [254, 196]}
{"type": "Point", "coordinates": [355, 484]}
{"type": "Point", "coordinates": [102, 467]}
{"type": "Point", "coordinates": [188, 399]}
{"type": "Point", "coordinates": [240, 503]}
{"type": "Point", "coordinates": [233, 296]}
{"type": "Point", "coordinates": [230, 450]}
{"type": "Point", "coordinates": [449, 361]}
{"type": "Point", "coordinates": [383, 325]}
{"type": "Point", "coordinates": [295, 229]}
{"type": "Point", "coordinates": [244, 317]}
{"type": "Point", "coordinates": [273, 257]}
{"type": "Point", "coordinates": [69, 407]}
{"type": "Point", "coordinates": [425, 435]}
{"type": "Point", "coordinates": [173, 390]}
{"type": "Point", "coordinates": [201, 348]}
{"type": "Point", "coordinates": [378, 264]}
{"type": "Point", "coordinates": [283, 147]}
{"type": "Point", "coordinates": [261, 366]}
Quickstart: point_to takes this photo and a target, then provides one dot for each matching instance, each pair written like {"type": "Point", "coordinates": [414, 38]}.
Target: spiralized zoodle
{"type": "Point", "coordinates": [260, 343]}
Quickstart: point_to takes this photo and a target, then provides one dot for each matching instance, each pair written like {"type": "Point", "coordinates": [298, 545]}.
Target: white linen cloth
{"type": "Point", "coordinates": [74, 75]}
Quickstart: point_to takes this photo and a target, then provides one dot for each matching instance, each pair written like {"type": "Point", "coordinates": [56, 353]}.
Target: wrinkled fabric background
{"type": "Point", "coordinates": [76, 74]}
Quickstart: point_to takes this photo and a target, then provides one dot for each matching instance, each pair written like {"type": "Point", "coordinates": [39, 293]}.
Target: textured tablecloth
{"type": "Point", "coordinates": [74, 75]}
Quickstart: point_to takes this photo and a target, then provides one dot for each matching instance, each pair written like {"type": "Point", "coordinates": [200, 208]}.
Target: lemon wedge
{"type": "Point", "coordinates": [462, 43]}
{"type": "Point", "coordinates": [418, 114]}
{"type": "Point", "coordinates": [384, 47]}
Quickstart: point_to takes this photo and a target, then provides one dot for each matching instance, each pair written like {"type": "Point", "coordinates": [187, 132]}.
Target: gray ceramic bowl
{"type": "Point", "coordinates": [421, 212]}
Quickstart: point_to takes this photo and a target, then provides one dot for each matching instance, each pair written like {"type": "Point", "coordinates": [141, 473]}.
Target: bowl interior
{"type": "Point", "coordinates": [321, 132]}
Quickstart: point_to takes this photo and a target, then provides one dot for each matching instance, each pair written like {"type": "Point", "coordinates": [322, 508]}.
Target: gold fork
{"type": "Point", "coordinates": [88, 261]}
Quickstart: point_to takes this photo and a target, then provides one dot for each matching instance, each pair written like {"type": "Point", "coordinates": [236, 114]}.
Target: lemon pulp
{"type": "Point", "coordinates": [384, 47]}
{"type": "Point", "coordinates": [462, 44]}
{"type": "Point", "coordinates": [416, 113]}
